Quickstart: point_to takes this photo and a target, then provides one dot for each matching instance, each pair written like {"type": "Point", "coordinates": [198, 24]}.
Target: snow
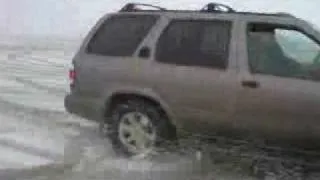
{"type": "Point", "coordinates": [28, 140]}
{"type": "Point", "coordinates": [12, 156]}
{"type": "Point", "coordinates": [24, 144]}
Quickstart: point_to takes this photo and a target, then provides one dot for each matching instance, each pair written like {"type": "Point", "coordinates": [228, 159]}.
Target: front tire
{"type": "Point", "coordinates": [137, 127]}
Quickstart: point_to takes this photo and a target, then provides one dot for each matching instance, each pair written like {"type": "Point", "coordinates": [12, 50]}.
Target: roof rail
{"type": "Point", "coordinates": [216, 7]}
{"type": "Point", "coordinates": [131, 7]}
{"type": "Point", "coordinates": [285, 14]}
{"type": "Point", "coordinates": [211, 7]}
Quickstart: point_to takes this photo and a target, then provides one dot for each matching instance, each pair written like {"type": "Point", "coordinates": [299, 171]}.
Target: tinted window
{"type": "Point", "coordinates": [120, 35]}
{"type": "Point", "coordinates": [195, 43]}
{"type": "Point", "coordinates": [281, 51]}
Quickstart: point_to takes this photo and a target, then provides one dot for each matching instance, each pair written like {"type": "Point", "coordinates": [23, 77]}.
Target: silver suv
{"type": "Point", "coordinates": [148, 75]}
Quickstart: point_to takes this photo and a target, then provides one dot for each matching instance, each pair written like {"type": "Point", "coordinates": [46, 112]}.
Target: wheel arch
{"type": "Point", "coordinates": [144, 94]}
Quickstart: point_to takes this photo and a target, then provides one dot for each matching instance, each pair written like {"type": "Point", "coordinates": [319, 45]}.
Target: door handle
{"type": "Point", "coordinates": [250, 84]}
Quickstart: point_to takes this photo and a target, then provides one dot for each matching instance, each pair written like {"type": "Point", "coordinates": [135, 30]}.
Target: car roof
{"type": "Point", "coordinates": [185, 13]}
{"type": "Point", "coordinates": [230, 14]}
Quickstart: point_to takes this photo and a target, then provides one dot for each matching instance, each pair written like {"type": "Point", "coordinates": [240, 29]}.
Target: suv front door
{"type": "Point", "coordinates": [280, 93]}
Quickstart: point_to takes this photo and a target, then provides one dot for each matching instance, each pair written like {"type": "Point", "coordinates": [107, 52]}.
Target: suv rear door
{"type": "Point", "coordinates": [107, 57]}
{"type": "Point", "coordinates": [279, 97]}
{"type": "Point", "coordinates": [195, 72]}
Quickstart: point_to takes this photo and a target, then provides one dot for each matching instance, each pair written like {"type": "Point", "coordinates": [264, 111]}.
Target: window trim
{"type": "Point", "coordinates": [287, 27]}
{"type": "Point", "coordinates": [175, 20]}
{"type": "Point", "coordinates": [102, 22]}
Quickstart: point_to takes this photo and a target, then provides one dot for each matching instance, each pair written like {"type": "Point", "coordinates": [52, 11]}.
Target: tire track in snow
{"type": "Point", "coordinates": [51, 90]}
{"type": "Point", "coordinates": [30, 150]}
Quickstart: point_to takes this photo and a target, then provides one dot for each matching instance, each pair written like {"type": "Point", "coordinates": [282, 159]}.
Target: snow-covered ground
{"type": "Point", "coordinates": [32, 116]}
{"type": "Point", "coordinates": [35, 130]}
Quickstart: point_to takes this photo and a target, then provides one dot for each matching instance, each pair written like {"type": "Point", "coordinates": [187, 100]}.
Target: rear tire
{"type": "Point", "coordinates": [138, 127]}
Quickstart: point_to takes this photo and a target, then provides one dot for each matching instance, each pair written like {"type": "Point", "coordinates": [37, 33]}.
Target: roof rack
{"type": "Point", "coordinates": [284, 14]}
{"type": "Point", "coordinates": [216, 7]}
{"type": "Point", "coordinates": [211, 8]}
{"type": "Point", "coordinates": [132, 7]}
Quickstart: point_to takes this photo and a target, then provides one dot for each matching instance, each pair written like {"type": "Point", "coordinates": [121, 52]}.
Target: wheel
{"type": "Point", "coordinates": [137, 127]}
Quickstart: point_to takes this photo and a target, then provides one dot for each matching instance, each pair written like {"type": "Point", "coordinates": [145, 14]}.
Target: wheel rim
{"type": "Point", "coordinates": [137, 133]}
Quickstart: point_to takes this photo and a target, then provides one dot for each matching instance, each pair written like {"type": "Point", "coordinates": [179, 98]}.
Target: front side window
{"type": "Point", "coordinates": [282, 51]}
{"type": "Point", "coordinates": [195, 43]}
{"type": "Point", "coordinates": [298, 46]}
{"type": "Point", "coordinates": [120, 35]}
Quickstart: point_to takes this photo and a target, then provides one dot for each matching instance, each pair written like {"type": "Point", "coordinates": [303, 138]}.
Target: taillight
{"type": "Point", "coordinates": [72, 74]}
{"type": "Point", "coordinates": [72, 77]}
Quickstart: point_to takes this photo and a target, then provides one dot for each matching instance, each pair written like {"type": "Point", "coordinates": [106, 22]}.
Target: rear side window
{"type": "Point", "coordinates": [195, 43]}
{"type": "Point", "coordinates": [121, 34]}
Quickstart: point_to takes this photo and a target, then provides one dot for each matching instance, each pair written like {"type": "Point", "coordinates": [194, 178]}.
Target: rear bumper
{"type": "Point", "coordinates": [86, 108]}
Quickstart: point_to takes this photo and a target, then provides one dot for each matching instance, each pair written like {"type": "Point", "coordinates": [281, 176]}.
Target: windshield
{"type": "Point", "coordinates": [157, 94]}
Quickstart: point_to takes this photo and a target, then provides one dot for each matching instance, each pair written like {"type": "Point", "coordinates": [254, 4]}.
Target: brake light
{"type": "Point", "coordinates": [72, 77]}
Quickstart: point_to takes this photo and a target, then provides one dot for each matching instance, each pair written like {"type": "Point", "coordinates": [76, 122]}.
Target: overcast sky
{"type": "Point", "coordinates": [72, 18]}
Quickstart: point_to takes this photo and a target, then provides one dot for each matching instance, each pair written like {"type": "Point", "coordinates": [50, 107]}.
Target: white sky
{"type": "Point", "coordinates": [72, 18]}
